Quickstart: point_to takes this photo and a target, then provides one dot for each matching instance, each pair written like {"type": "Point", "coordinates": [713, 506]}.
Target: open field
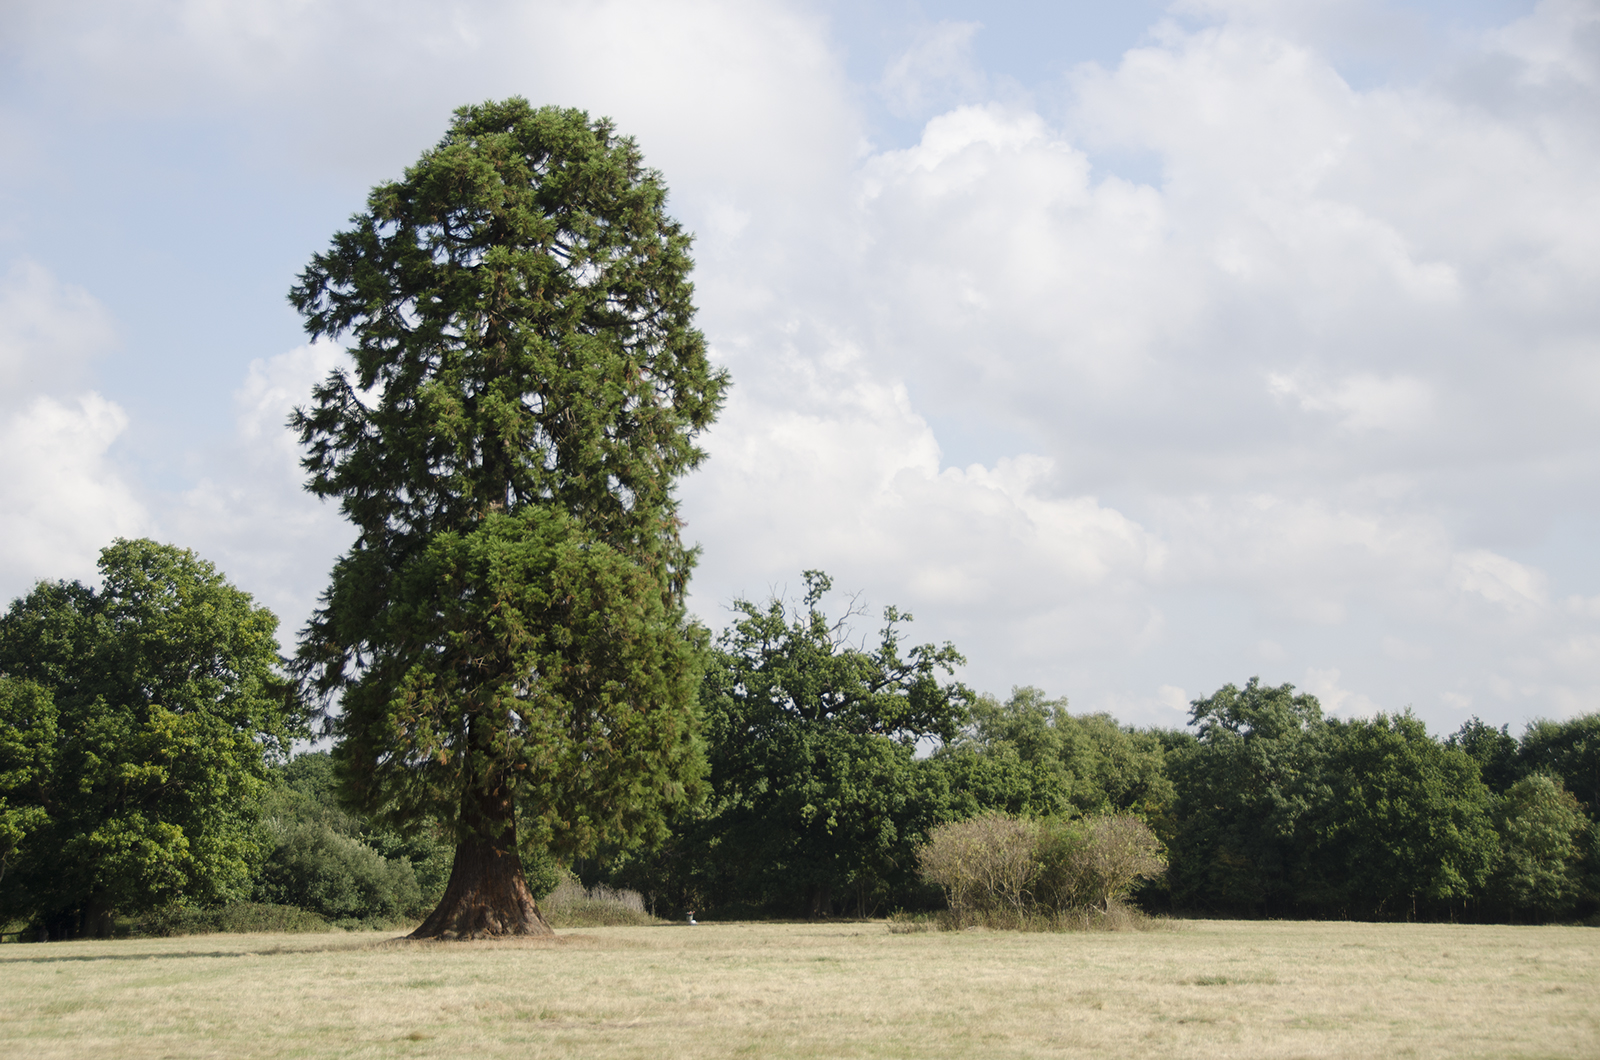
{"type": "Point", "coordinates": [1202, 989]}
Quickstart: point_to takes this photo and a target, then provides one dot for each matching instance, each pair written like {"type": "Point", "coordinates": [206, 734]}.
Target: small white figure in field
{"type": "Point", "coordinates": [692, 920]}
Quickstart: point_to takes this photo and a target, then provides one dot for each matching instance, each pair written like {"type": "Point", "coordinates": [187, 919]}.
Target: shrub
{"type": "Point", "coordinates": [573, 905]}
{"type": "Point", "coordinates": [1009, 872]}
{"type": "Point", "coordinates": [317, 868]}
{"type": "Point", "coordinates": [984, 864]}
{"type": "Point", "coordinates": [1092, 862]}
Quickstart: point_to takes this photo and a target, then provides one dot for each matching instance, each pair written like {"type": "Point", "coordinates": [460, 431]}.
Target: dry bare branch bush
{"type": "Point", "coordinates": [1008, 873]}
{"type": "Point", "coordinates": [571, 905]}
{"type": "Point", "coordinates": [1120, 852]}
{"type": "Point", "coordinates": [985, 865]}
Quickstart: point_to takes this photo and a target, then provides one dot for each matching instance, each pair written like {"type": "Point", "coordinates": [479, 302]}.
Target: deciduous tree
{"type": "Point", "coordinates": [811, 743]}
{"type": "Point", "coordinates": [1242, 789]}
{"type": "Point", "coordinates": [135, 722]}
{"type": "Point", "coordinates": [1399, 819]}
{"type": "Point", "coordinates": [1541, 832]}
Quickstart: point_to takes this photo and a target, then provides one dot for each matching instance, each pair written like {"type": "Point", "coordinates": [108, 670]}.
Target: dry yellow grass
{"type": "Point", "coordinates": [1204, 989]}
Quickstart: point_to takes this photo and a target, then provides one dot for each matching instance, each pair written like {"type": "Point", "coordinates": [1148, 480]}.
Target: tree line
{"type": "Point", "coordinates": [145, 731]}
{"type": "Point", "coordinates": [820, 800]}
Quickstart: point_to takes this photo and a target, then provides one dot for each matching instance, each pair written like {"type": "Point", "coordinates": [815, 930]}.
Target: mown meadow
{"type": "Point", "coordinates": [836, 989]}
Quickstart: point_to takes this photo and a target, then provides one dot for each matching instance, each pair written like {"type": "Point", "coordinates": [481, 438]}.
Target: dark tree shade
{"type": "Point", "coordinates": [1495, 751]}
{"type": "Point", "coordinates": [528, 385]}
{"type": "Point", "coordinates": [1568, 750]}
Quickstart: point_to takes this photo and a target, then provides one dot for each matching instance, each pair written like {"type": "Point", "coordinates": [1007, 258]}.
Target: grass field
{"type": "Point", "coordinates": [1201, 989]}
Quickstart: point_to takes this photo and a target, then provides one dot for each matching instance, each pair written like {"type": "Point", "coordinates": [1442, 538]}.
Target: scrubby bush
{"type": "Point", "coordinates": [1094, 861]}
{"type": "Point", "coordinates": [1013, 872]}
{"type": "Point", "coordinates": [573, 905]}
{"type": "Point", "coordinates": [985, 864]}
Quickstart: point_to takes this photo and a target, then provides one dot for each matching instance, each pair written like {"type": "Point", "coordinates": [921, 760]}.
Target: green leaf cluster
{"type": "Point", "coordinates": [1084, 763]}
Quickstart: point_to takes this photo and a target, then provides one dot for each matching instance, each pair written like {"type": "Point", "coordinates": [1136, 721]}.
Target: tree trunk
{"type": "Point", "coordinates": [821, 900]}
{"type": "Point", "coordinates": [487, 896]}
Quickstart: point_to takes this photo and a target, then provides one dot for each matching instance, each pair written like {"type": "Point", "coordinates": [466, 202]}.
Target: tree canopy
{"type": "Point", "coordinates": [135, 722]}
{"type": "Point", "coordinates": [1243, 788]}
{"type": "Point", "coordinates": [811, 745]}
{"type": "Point", "coordinates": [527, 386]}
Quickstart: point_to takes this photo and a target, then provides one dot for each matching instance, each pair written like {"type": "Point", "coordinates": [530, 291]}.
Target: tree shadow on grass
{"type": "Point", "coordinates": [156, 955]}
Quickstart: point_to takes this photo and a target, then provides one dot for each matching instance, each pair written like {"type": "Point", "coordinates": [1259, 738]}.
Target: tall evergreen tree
{"type": "Point", "coordinates": [508, 627]}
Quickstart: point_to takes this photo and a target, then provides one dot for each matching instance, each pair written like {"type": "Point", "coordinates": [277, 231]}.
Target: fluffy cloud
{"type": "Point", "coordinates": [62, 494]}
{"type": "Point", "coordinates": [61, 498]}
{"type": "Point", "coordinates": [50, 334]}
{"type": "Point", "coordinates": [1306, 375]}
{"type": "Point", "coordinates": [248, 512]}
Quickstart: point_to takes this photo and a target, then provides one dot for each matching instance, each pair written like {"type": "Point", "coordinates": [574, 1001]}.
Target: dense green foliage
{"type": "Point", "coordinates": [1396, 818]}
{"type": "Point", "coordinates": [140, 721]}
{"type": "Point", "coordinates": [328, 860]}
{"type": "Point", "coordinates": [1087, 763]}
{"type": "Point", "coordinates": [1542, 832]}
{"type": "Point", "coordinates": [814, 786]}
{"type": "Point", "coordinates": [1243, 788]}
{"type": "Point", "coordinates": [136, 722]}
{"type": "Point", "coordinates": [528, 384]}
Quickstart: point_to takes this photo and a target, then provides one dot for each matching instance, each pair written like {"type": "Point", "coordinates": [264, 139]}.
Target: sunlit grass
{"type": "Point", "coordinates": [1211, 988]}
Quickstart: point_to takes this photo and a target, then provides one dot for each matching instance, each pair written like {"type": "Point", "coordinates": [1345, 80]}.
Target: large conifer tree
{"type": "Point", "coordinates": [507, 629]}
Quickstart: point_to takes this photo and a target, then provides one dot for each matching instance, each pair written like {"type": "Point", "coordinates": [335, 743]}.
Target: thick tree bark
{"type": "Point", "coordinates": [487, 896]}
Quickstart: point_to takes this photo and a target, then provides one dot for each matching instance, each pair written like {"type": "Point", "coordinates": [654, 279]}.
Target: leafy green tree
{"type": "Point", "coordinates": [136, 720]}
{"type": "Point", "coordinates": [335, 863]}
{"type": "Point", "coordinates": [1403, 819]}
{"type": "Point", "coordinates": [507, 630]}
{"type": "Point", "coordinates": [811, 740]}
{"type": "Point", "coordinates": [1541, 847]}
{"type": "Point", "coordinates": [28, 737]}
{"type": "Point", "coordinates": [1569, 751]}
{"type": "Point", "coordinates": [1241, 790]}
{"type": "Point", "coordinates": [1099, 765]}
{"type": "Point", "coordinates": [1495, 751]}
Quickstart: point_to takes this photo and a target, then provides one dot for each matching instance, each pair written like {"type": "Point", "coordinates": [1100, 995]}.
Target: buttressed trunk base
{"type": "Point", "coordinates": [487, 896]}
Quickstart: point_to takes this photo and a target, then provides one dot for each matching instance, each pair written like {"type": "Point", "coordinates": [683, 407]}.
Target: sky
{"type": "Point", "coordinates": [1134, 348]}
